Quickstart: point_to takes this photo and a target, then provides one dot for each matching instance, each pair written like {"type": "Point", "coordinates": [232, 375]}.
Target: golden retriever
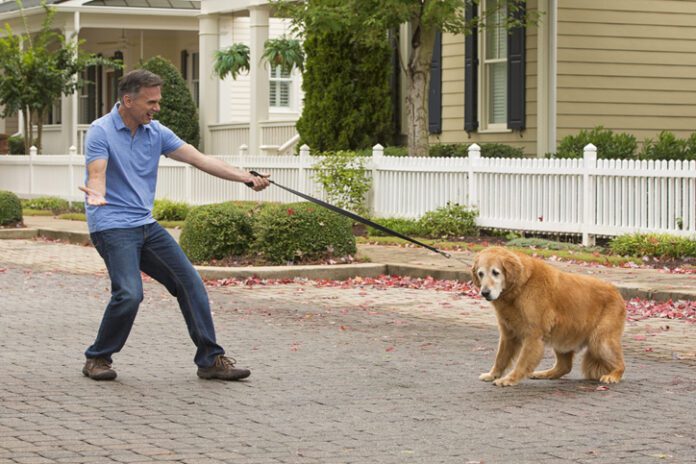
{"type": "Point", "coordinates": [537, 304]}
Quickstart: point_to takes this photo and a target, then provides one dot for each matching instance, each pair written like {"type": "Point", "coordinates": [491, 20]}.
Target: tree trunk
{"type": "Point", "coordinates": [39, 130]}
{"type": "Point", "coordinates": [26, 121]}
{"type": "Point", "coordinates": [418, 72]}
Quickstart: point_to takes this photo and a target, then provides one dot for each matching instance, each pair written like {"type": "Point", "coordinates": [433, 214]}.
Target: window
{"type": "Point", "coordinates": [280, 83]}
{"type": "Point", "coordinates": [494, 69]}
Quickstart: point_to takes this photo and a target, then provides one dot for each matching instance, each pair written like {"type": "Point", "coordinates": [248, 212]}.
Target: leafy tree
{"type": "Point", "coordinates": [177, 109]}
{"type": "Point", "coordinates": [36, 69]}
{"type": "Point", "coordinates": [369, 20]}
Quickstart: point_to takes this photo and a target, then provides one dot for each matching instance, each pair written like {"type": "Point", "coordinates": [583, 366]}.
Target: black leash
{"type": "Point", "coordinates": [354, 216]}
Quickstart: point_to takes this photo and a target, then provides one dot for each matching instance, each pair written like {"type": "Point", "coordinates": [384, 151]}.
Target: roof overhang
{"type": "Point", "coordinates": [229, 6]}
{"type": "Point", "coordinates": [83, 6]}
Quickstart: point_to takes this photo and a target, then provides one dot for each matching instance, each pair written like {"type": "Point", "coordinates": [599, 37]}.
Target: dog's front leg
{"type": "Point", "coordinates": [508, 346]}
{"type": "Point", "coordinates": [530, 356]}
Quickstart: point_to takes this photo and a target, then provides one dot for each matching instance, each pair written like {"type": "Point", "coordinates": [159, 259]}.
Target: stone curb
{"type": "Point", "coordinates": [338, 272]}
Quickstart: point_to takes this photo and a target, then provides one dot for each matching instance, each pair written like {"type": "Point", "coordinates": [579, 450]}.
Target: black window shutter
{"type": "Point", "coordinates": [184, 64]}
{"type": "Point", "coordinates": [516, 74]}
{"type": "Point", "coordinates": [435, 90]}
{"type": "Point", "coordinates": [471, 75]}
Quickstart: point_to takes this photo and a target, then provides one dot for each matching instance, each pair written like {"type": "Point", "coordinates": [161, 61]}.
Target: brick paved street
{"type": "Point", "coordinates": [354, 375]}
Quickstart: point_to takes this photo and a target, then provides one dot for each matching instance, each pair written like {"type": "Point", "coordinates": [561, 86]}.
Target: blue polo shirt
{"type": "Point", "coordinates": [131, 170]}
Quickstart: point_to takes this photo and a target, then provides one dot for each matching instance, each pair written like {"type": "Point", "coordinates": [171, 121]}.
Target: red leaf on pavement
{"type": "Point", "coordinates": [390, 349]}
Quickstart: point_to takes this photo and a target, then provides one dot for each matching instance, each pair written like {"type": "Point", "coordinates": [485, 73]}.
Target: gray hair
{"type": "Point", "coordinates": [134, 80]}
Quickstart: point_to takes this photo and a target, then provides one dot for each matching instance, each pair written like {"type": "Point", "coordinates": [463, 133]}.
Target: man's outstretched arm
{"type": "Point", "coordinates": [189, 154]}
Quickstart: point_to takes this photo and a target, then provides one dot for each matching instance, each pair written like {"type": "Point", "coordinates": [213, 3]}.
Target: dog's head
{"type": "Point", "coordinates": [497, 270]}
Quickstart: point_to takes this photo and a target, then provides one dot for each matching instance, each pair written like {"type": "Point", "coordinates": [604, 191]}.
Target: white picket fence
{"type": "Point", "coordinates": [583, 196]}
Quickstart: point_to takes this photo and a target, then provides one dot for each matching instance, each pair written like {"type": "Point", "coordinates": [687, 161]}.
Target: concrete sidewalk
{"type": "Point", "coordinates": [655, 284]}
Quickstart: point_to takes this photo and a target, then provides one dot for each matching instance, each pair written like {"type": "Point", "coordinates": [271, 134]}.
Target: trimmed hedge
{"type": "Point", "coordinates": [216, 231]}
{"type": "Point", "coordinates": [10, 209]}
{"type": "Point", "coordinates": [300, 232]}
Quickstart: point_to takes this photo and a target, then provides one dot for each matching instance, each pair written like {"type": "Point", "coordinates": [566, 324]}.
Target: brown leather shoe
{"type": "Point", "coordinates": [223, 369]}
{"type": "Point", "coordinates": [98, 369]}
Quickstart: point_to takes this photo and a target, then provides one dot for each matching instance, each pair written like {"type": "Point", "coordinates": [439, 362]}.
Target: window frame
{"type": "Point", "coordinates": [484, 89]}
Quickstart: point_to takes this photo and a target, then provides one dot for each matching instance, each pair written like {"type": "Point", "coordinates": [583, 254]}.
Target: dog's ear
{"type": "Point", "coordinates": [474, 273]}
{"type": "Point", "coordinates": [515, 272]}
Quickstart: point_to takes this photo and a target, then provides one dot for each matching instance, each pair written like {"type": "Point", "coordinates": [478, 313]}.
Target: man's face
{"type": "Point", "coordinates": [143, 106]}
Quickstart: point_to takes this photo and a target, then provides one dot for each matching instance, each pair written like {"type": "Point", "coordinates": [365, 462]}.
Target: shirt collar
{"type": "Point", "coordinates": [118, 120]}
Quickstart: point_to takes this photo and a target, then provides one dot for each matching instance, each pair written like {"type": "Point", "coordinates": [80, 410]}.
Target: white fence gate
{"type": "Point", "coordinates": [582, 196]}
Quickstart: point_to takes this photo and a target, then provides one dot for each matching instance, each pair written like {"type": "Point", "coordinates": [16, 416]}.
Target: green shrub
{"type": "Point", "coordinates": [668, 147]}
{"type": "Point", "coordinates": [396, 151]}
{"type": "Point", "coordinates": [15, 144]}
{"type": "Point", "coordinates": [168, 210]}
{"type": "Point", "coordinates": [300, 232]}
{"type": "Point", "coordinates": [500, 150]}
{"type": "Point", "coordinates": [345, 180]}
{"type": "Point", "coordinates": [10, 209]}
{"type": "Point", "coordinates": [449, 150]}
{"type": "Point", "coordinates": [549, 245]}
{"type": "Point", "coordinates": [53, 204]}
{"type": "Point", "coordinates": [450, 221]}
{"type": "Point", "coordinates": [347, 101]}
{"type": "Point", "coordinates": [609, 145]}
{"type": "Point", "coordinates": [654, 245]}
{"type": "Point", "coordinates": [216, 231]}
{"type": "Point", "coordinates": [178, 110]}
{"type": "Point", "coordinates": [410, 227]}
{"type": "Point", "coordinates": [488, 150]}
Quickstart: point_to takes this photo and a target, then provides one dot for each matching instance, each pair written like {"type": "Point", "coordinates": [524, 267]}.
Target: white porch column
{"type": "Point", "coordinates": [208, 43]}
{"type": "Point", "coordinates": [546, 78]}
{"type": "Point", "coordinates": [69, 105]}
{"type": "Point", "coordinates": [258, 76]}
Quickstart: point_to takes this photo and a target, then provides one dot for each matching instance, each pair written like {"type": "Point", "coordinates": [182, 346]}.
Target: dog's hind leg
{"type": "Point", "coordinates": [564, 364]}
{"type": "Point", "coordinates": [604, 362]}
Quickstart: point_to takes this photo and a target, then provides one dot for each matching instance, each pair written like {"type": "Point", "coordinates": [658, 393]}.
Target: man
{"type": "Point", "coordinates": [122, 155]}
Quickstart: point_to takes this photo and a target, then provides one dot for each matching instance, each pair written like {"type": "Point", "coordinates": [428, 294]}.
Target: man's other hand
{"type": "Point", "coordinates": [94, 198]}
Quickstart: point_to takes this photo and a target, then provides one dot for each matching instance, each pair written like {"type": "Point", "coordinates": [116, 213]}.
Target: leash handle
{"type": "Point", "coordinates": [254, 173]}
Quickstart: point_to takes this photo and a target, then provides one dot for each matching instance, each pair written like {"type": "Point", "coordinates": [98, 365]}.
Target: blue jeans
{"type": "Point", "coordinates": [150, 249]}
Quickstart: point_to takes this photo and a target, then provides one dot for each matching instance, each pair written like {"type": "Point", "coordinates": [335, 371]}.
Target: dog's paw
{"type": "Point", "coordinates": [488, 377]}
{"type": "Point", "coordinates": [609, 379]}
{"type": "Point", "coordinates": [505, 382]}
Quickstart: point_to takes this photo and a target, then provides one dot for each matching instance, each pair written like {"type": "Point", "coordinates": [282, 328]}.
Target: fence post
{"type": "Point", "coordinates": [72, 151]}
{"type": "Point", "coordinates": [377, 155]}
{"type": "Point", "coordinates": [33, 152]}
{"type": "Point", "coordinates": [243, 150]}
{"type": "Point", "coordinates": [305, 164]}
{"type": "Point", "coordinates": [474, 156]}
{"type": "Point", "coordinates": [589, 207]}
